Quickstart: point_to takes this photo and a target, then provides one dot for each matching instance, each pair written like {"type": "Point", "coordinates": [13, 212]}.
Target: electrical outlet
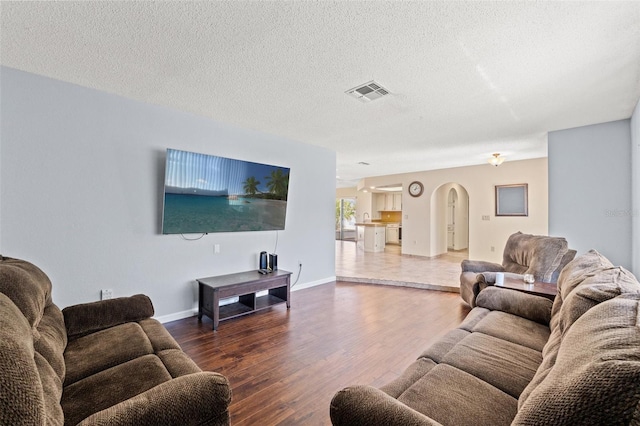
{"type": "Point", "coordinates": [106, 293]}
{"type": "Point", "coordinates": [486, 217]}
{"type": "Point", "coordinates": [216, 249]}
{"type": "Point", "coordinates": [493, 248]}
{"type": "Point", "coordinates": [299, 263]}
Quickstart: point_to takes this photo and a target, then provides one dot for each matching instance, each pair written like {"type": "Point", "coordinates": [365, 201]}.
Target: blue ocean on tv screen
{"type": "Point", "coordinates": [205, 193]}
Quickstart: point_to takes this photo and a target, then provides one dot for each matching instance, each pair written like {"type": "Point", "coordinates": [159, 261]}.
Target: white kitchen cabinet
{"type": "Point", "coordinates": [393, 234]}
{"type": "Point", "coordinates": [388, 202]}
{"type": "Point", "coordinates": [371, 237]}
{"type": "Point", "coordinates": [380, 202]}
{"type": "Point", "coordinates": [397, 201]}
{"type": "Point", "coordinates": [392, 202]}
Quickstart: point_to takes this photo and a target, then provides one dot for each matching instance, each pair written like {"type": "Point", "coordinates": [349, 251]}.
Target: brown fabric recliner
{"type": "Point", "coordinates": [97, 363]}
{"type": "Point", "coordinates": [540, 255]}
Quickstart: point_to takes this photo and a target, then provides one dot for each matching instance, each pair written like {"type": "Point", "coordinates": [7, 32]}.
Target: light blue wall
{"type": "Point", "coordinates": [590, 189]}
{"type": "Point", "coordinates": [635, 186]}
{"type": "Point", "coordinates": [81, 178]}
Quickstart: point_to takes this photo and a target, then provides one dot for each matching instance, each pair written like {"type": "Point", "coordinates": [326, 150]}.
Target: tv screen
{"type": "Point", "coordinates": [205, 193]}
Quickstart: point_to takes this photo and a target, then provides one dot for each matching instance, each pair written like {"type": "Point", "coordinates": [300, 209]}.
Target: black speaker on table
{"type": "Point", "coordinates": [273, 261]}
{"type": "Point", "coordinates": [263, 260]}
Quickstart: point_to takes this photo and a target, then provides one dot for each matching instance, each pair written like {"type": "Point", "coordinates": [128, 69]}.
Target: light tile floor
{"type": "Point", "coordinates": [393, 268]}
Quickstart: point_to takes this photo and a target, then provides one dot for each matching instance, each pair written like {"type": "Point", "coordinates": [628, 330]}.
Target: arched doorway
{"type": "Point", "coordinates": [449, 221]}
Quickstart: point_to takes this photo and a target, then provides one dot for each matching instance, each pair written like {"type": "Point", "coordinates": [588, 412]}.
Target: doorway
{"type": "Point", "coordinates": [451, 218]}
{"type": "Point", "coordinates": [346, 219]}
{"type": "Point", "coordinates": [449, 221]}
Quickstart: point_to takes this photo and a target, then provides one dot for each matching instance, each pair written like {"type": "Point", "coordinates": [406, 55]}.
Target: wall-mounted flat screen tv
{"type": "Point", "coordinates": [205, 193]}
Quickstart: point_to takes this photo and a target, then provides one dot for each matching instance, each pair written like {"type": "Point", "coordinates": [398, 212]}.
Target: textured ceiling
{"type": "Point", "coordinates": [466, 78]}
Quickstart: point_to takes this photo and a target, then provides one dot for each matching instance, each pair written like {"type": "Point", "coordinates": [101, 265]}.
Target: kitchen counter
{"type": "Point", "coordinates": [374, 224]}
{"type": "Point", "coordinates": [370, 236]}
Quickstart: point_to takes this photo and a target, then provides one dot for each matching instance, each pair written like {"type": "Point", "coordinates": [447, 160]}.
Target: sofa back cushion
{"type": "Point", "coordinates": [596, 376]}
{"type": "Point", "coordinates": [27, 286]}
{"type": "Point", "coordinates": [27, 395]}
{"type": "Point", "coordinates": [587, 281]}
{"type": "Point", "coordinates": [33, 333]}
{"type": "Point", "coordinates": [539, 255]}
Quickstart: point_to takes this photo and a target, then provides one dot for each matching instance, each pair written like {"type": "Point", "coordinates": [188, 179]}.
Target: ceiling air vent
{"type": "Point", "coordinates": [368, 92]}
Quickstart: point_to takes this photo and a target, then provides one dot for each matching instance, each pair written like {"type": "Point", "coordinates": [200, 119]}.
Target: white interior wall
{"type": "Point", "coordinates": [635, 187]}
{"type": "Point", "coordinates": [346, 193]}
{"type": "Point", "coordinates": [590, 191]}
{"type": "Point", "coordinates": [479, 182]}
{"type": "Point", "coordinates": [81, 183]}
{"type": "Point", "coordinates": [438, 209]}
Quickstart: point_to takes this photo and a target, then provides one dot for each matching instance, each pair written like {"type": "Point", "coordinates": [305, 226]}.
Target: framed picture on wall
{"type": "Point", "coordinates": [511, 200]}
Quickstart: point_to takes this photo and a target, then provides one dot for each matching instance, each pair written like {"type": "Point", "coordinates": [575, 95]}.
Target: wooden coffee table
{"type": "Point", "coordinates": [547, 290]}
{"type": "Point", "coordinates": [245, 286]}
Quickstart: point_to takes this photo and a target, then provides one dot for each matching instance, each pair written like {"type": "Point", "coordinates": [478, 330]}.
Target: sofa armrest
{"type": "Point", "coordinates": [88, 318]}
{"type": "Point", "coordinates": [480, 266]}
{"type": "Point", "coordinates": [366, 405]}
{"type": "Point", "coordinates": [529, 306]}
{"type": "Point", "coordinates": [194, 399]}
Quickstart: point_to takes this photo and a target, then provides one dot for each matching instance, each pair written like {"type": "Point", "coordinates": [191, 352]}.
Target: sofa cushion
{"type": "Point", "coordinates": [99, 351]}
{"type": "Point", "coordinates": [529, 306]}
{"type": "Point", "coordinates": [193, 400]}
{"type": "Point", "coordinates": [51, 389]}
{"type": "Point", "coordinates": [112, 386]}
{"type": "Point", "coordinates": [586, 281]}
{"type": "Point", "coordinates": [52, 339]}
{"type": "Point", "coordinates": [473, 317]}
{"type": "Point", "coordinates": [596, 377]}
{"type": "Point", "coordinates": [412, 374]}
{"type": "Point", "coordinates": [439, 349]}
{"type": "Point", "coordinates": [158, 335]}
{"type": "Point", "coordinates": [90, 317]}
{"type": "Point", "coordinates": [504, 365]}
{"type": "Point", "coordinates": [451, 396]}
{"type": "Point", "coordinates": [27, 286]}
{"type": "Point", "coordinates": [21, 396]}
{"type": "Point", "coordinates": [177, 362]}
{"type": "Point", "coordinates": [514, 329]}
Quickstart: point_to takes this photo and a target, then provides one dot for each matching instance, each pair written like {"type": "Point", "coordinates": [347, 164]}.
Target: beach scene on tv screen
{"type": "Point", "coordinates": [205, 193]}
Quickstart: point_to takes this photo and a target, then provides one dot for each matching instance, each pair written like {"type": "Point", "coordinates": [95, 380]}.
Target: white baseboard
{"type": "Point", "coordinates": [177, 315]}
{"type": "Point", "coordinates": [313, 283]}
{"type": "Point", "coordinates": [193, 312]}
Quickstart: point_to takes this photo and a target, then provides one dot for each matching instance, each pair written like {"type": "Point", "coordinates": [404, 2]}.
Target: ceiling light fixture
{"type": "Point", "coordinates": [496, 160]}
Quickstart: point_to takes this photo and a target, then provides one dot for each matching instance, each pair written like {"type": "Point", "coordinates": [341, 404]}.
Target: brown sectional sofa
{"type": "Point", "coordinates": [523, 360]}
{"type": "Point", "coordinates": [98, 363]}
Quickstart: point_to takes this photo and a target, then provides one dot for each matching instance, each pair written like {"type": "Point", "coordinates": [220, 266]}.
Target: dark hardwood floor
{"type": "Point", "coordinates": [285, 365]}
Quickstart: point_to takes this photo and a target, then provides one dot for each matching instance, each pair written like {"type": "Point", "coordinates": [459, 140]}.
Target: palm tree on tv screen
{"type": "Point", "coordinates": [251, 186]}
{"type": "Point", "coordinates": [277, 183]}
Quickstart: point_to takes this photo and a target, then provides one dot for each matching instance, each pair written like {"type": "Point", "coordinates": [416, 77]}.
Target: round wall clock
{"type": "Point", "coordinates": [415, 189]}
